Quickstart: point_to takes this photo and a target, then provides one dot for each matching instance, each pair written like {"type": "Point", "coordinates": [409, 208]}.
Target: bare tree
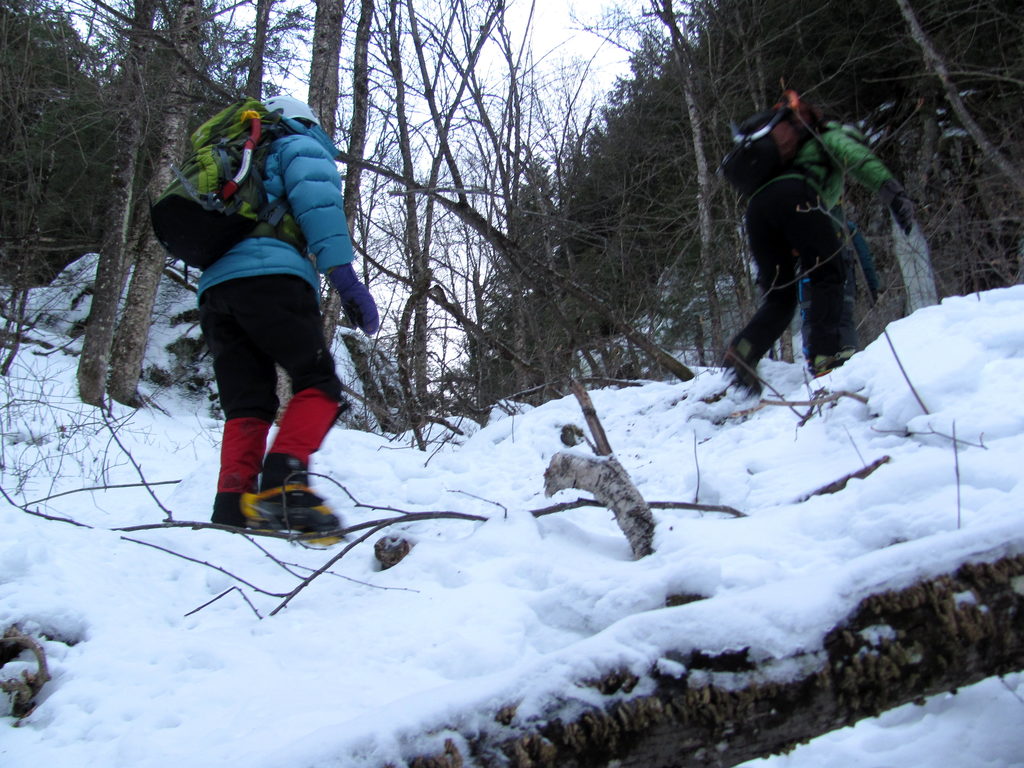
{"type": "Point", "coordinates": [937, 64]}
{"type": "Point", "coordinates": [94, 364]}
{"type": "Point", "coordinates": [682, 54]}
{"type": "Point", "coordinates": [254, 81]}
{"type": "Point", "coordinates": [133, 329]}
{"type": "Point", "coordinates": [324, 91]}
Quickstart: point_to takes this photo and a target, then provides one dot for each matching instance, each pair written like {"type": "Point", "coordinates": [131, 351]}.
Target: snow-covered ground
{"type": "Point", "coordinates": [164, 652]}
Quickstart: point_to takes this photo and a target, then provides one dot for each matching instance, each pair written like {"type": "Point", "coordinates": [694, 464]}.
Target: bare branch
{"type": "Point", "coordinates": [26, 510]}
{"type": "Point", "coordinates": [837, 485]}
{"type": "Point", "coordinates": [938, 66]}
{"type": "Point", "coordinates": [904, 372]}
{"type": "Point", "coordinates": [103, 488]}
{"type": "Point", "coordinates": [203, 562]}
{"type": "Point", "coordinates": [608, 480]}
{"type": "Point", "coordinates": [218, 597]}
{"type": "Point", "coordinates": [604, 448]}
{"type": "Point", "coordinates": [168, 515]}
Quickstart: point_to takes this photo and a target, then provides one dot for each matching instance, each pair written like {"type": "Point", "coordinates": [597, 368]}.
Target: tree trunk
{"type": "Point", "coordinates": [356, 143]}
{"type": "Point", "coordinates": [681, 52]}
{"type": "Point", "coordinates": [324, 92]}
{"type": "Point", "coordinates": [94, 363]}
{"type": "Point", "coordinates": [254, 81]}
{"type": "Point", "coordinates": [133, 330]}
{"type": "Point", "coordinates": [915, 262]}
{"type": "Point", "coordinates": [412, 331]}
{"type": "Point", "coordinates": [717, 708]}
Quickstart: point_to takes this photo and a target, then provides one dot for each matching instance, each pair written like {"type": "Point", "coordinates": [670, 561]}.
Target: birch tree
{"type": "Point", "coordinates": [94, 364]}
{"type": "Point", "coordinates": [133, 329]}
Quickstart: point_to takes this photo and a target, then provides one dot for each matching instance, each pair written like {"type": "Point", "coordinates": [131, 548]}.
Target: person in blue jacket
{"type": "Point", "coordinates": [259, 307]}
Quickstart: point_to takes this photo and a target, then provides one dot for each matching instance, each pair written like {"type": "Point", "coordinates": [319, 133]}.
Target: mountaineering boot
{"type": "Point", "coordinates": [227, 509]}
{"type": "Point", "coordinates": [741, 364]}
{"type": "Point", "coordinates": [285, 502]}
{"type": "Point", "coordinates": [241, 456]}
{"type": "Point", "coordinates": [823, 364]}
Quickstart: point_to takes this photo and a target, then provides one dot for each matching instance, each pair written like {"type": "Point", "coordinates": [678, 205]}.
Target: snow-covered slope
{"type": "Point", "coordinates": [163, 651]}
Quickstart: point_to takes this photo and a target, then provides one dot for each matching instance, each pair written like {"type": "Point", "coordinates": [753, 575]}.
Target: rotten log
{"type": "Point", "coordinates": [893, 648]}
{"type": "Point", "coordinates": [22, 690]}
{"type": "Point", "coordinates": [611, 485]}
{"type": "Point", "coordinates": [391, 550]}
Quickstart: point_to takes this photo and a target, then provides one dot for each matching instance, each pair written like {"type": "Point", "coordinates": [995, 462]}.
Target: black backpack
{"type": "Point", "coordinates": [216, 198]}
{"type": "Point", "coordinates": [766, 143]}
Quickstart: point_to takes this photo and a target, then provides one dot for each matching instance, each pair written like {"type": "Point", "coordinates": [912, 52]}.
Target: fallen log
{"type": "Point", "coordinates": [722, 709]}
{"type": "Point", "coordinates": [611, 485]}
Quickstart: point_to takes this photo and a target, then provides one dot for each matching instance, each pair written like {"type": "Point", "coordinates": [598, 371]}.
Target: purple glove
{"type": "Point", "coordinates": [356, 301]}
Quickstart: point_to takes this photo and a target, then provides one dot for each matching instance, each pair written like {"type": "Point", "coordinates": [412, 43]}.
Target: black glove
{"type": "Point", "coordinates": [895, 199]}
{"type": "Point", "coordinates": [356, 301]}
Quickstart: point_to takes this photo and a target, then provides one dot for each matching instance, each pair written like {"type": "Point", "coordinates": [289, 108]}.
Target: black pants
{"type": "Point", "coordinates": [789, 231]}
{"type": "Point", "coordinates": [848, 336]}
{"type": "Point", "coordinates": [254, 322]}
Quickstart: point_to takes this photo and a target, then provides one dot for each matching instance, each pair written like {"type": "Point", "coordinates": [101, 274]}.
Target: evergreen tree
{"type": "Point", "coordinates": [56, 133]}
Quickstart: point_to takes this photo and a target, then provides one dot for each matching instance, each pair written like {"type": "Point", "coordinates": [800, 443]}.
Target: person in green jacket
{"type": "Point", "coordinates": [793, 235]}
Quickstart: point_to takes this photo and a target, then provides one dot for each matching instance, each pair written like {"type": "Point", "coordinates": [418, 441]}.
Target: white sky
{"type": "Point", "coordinates": [558, 34]}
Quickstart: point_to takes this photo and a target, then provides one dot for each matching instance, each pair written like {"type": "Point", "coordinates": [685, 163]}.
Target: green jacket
{"type": "Point", "coordinates": [839, 150]}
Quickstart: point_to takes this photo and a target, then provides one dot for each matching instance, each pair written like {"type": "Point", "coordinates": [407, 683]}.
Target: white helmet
{"type": "Point", "coordinates": [291, 107]}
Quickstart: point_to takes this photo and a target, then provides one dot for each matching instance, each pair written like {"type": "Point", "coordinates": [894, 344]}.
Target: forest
{"type": "Point", "coordinates": [517, 229]}
{"type": "Point", "coordinates": [531, 231]}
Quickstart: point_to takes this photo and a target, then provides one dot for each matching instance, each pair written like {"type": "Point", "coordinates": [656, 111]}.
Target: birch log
{"type": "Point", "coordinates": [611, 485]}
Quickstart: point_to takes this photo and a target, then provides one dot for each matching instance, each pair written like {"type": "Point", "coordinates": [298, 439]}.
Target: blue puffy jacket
{"type": "Point", "coordinates": [299, 167]}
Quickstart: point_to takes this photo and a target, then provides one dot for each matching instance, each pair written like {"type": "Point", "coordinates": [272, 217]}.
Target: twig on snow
{"type": "Point", "coordinates": [208, 565]}
{"type": "Point", "coordinates": [814, 402]}
{"type": "Point", "coordinates": [956, 468]}
{"type": "Point", "coordinates": [145, 483]}
{"type": "Point", "coordinates": [696, 464]}
{"type": "Point", "coordinates": [840, 484]}
{"type": "Point", "coordinates": [218, 597]}
{"type": "Point", "coordinates": [322, 569]}
{"type": "Point", "coordinates": [725, 510]}
{"type": "Point", "coordinates": [580, 503]}
{"type": "Point", "coordinates": [102, 488]}
{"type": "Point", "coordinates": [34, 513]}
{"type": "Point", "coordinates": [904, 372]}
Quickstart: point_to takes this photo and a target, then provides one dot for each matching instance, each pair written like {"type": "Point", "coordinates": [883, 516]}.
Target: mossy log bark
{"type": "Point", "coordinates": [895, 647]}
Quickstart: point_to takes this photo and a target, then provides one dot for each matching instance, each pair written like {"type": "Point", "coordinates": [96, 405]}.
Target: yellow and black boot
{"type": "Point", "coordinates": [285, 502]}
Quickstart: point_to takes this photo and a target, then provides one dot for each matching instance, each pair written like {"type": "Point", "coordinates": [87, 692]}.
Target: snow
{"type": "Point", "coordinates": [164, 652]}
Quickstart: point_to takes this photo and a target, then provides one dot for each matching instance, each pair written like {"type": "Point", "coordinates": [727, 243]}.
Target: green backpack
{"type": "Point", "coordinates": [216, 198]}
